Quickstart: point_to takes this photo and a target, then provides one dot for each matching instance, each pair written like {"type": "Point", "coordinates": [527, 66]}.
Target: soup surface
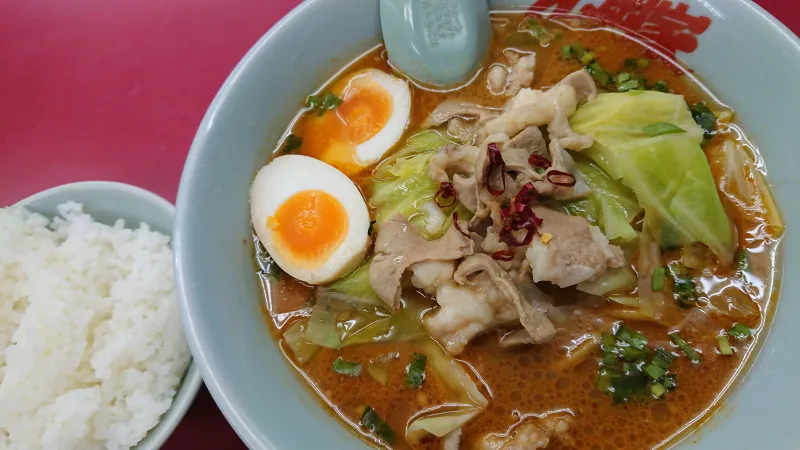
{"type": "Point", "coordinates": [558, 385]}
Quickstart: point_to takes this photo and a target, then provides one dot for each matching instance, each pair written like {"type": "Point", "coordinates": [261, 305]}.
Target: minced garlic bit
{"type": "Point", "coordinates": [546, 238]}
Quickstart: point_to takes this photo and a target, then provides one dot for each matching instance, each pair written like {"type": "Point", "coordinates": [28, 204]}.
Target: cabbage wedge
{"type": "Point", "coordinates": [401, 185]}
{"type": "Point", "coordinates": [668, 172]}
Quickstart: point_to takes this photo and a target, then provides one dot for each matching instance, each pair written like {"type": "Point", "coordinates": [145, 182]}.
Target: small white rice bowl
{"type": "Point", "coordinates": [91, 346]}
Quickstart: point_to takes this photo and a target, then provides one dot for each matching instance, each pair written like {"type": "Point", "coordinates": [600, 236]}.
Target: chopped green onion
{"type": "Point", "coordinates": [578, 48]}
{"type": "Point", "coordinates": [603, 382]}
{"type": "Point", "coordinates": [371, 226]}
{"type": "Point", "coordinates": [742, 259]}
{"type": "Point", "coordinates": [687, 349]}
{"type": "Point", "coordinates": [313, 102]}
{"type": "Point", "coordinates": [415, 370]}
{"type": "Point", "coordinates": [659, 278]}
{"type": "Point", "coordinates": [608, 343]}
{"type": "Point", "coordinates": [740, 331]}
{"type": "Point", "coordinates": [375, 424]}
{"type": "Point", "coordinates": [661, 86]}
{"type": "Point", "coordinates": [636, 63]}
{"type": "Point", "coordinates": [630, 85]}
{"type": "Point", "coordinates": [661, 128]}
{"type": "Point", "coordinates": [587, 58]}
{"type": "Point", "coordinates": [599, 73]}
{"type": "Point", "coordinates": [684, 290]}
{"type": "Point", "coordinates": [705, 118]}
{"type": "Point", "coordinates": [634, 339]}
{"type": "Point", "coordinates": [636, 374]}
{"type": "Point", "coordinates": [633, 354]}
{"type": "Point", "coordinates": [349, 368]}
{"type": "Point", "coordinates": [291, 143]}
{"type": "Point", "coordinates": [331, 101]}
{"type": "Point", "coordinates": [658, 390]}
{"type": "Point", "coordinates": [670, 382]}
{"type": "Point", "coordinates": [622, 77]}
{"type": "Point", "coordinates": [626, 82]}
{"type": "Point", "coordinates": [724, 345]}
{"type": "Point", "coordinates": [654, 371]}
{"type": "Point", "coordinates": [323, 102]}
{"type": "Point", "coordinates": [629, 385]}
{"type": "Point", "coordinates": [663, 358]}
{"type": "Point", "coordinates": [542, 34]}
{"type": "Point", "coordinates": [567, 52]}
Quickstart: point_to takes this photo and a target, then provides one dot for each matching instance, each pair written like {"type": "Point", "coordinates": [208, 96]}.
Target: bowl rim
{"type": "Point", "coordinates": [191, 380]}
{"type": "Point", "coordinates": [212, 382]}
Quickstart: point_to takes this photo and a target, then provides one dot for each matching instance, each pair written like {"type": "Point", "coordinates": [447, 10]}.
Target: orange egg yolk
{"type": "Point", "coordinates": [365, 109]}
{"type": "Point", "coordinates": [308, 227]}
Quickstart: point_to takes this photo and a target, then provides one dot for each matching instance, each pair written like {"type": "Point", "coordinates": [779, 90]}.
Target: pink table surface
{"type": "Point", "coordinates": [114, 90]}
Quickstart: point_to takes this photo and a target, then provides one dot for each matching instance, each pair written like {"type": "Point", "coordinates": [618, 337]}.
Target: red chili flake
{"type": "Point", "coordinates": [503, 255]}
{"type": "Point", "coordinates": [560, 178]}
{"type": "Point", "coordinates": [446, 192]}
{"type": "Point", "coordinates": [458, 227]}
{"type": "Point", "coordinates": [519, 216]}
{"type": "Point", "coordinates": [496, 169]}
{"type": "Point", "coordinates": [539, 161]}
{"type": "Point", "coordinates": [507, 236]}
{"type": "Point", "coordinates": [526, 194]}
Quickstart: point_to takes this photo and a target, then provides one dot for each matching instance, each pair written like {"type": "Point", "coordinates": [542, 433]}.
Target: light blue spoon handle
{"type": "Point", "coordinates": [438, 42]}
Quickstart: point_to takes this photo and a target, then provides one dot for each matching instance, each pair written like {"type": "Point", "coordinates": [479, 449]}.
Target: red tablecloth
{"type": "Point", "coordinates": [114, 90]}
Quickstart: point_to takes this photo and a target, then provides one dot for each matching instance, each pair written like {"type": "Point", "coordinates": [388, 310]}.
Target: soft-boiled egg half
{"type": "Point", "coordinates": [310, 217]}
{"type": "Point", "coordinates": [372, 117]}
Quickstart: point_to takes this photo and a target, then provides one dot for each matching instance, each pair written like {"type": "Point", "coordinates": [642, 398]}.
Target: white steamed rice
{"type": "Point", "coordinates": [91, 346]}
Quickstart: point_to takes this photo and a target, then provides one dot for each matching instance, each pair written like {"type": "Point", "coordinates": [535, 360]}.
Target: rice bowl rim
{"type": "Point", "coordinates": [115, 193]}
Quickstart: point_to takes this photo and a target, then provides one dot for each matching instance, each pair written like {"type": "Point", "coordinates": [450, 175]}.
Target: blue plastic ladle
{"type": "Point", "coordinates": [437, 42]}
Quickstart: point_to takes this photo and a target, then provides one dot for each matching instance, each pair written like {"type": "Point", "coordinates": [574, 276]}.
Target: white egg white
{"type": "Point", "coordinates": [374, 148]}
{"type": "Point", "coordinates": [289, 174]}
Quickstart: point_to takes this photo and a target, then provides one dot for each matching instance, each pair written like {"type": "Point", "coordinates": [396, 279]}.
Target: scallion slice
{"type": "Point", "coordinates": [654, 371]}
{"type": "Point", "coordinates": [608, 343]}
{"type": "Point", "coordinates": [724, 345]}
{"type": "Point", "coordinates": [662, 128]}
{"type": "Point", "coordinates": [349, 368]}
{"type": "Point", "coordinates": [705, 118]}
{"type": "Point", "coordinates": [636, 63]}
{"type": "Point", "coordinates": [323, 102]}
{"type": "Point", "coordinates": [742, 260]}
{"type": "Point", "coordinates": [687, 349]}
{"type": "Point", "coordinates": [658, 390]}
{"type": "Point", "coordinates": [663, 358]}
{"type": "Point", "coordinates": [375, 424]}
{"type": "Point", "coordinates": [634, 339]}
{"type": "Point", "coordinates": [670, 382]}
{"type": "Point", "coordinates": [740, 331]}
{"type": "Point", "coordinates": [630, 85]}
{"type": "Point", "coordinates": [659, 279]}
{"type": "Point", "coordinates": [684, 288]}
{"type": "Point", "coordinates": [415, 370]}
{"type": "Point", "coordinates": [661, 86]}
{"type": "Point", "coordinates": [567, 52]}
{"type": "Point", "coordinates": [587, 58]}
{"type": "Point", "coordinates": [633, 354]}
{"type": "Point", "coordinates": [292, 143]}
{"type": "Point", "coordinates": [599, 73]}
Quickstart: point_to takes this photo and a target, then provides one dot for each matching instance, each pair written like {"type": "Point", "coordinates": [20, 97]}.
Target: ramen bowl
{"type": "Point", "coordinates": [260, 394]}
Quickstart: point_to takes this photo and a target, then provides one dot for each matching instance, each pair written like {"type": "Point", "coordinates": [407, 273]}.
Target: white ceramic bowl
{"type": "Point", "coordinates": [108, 201]}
